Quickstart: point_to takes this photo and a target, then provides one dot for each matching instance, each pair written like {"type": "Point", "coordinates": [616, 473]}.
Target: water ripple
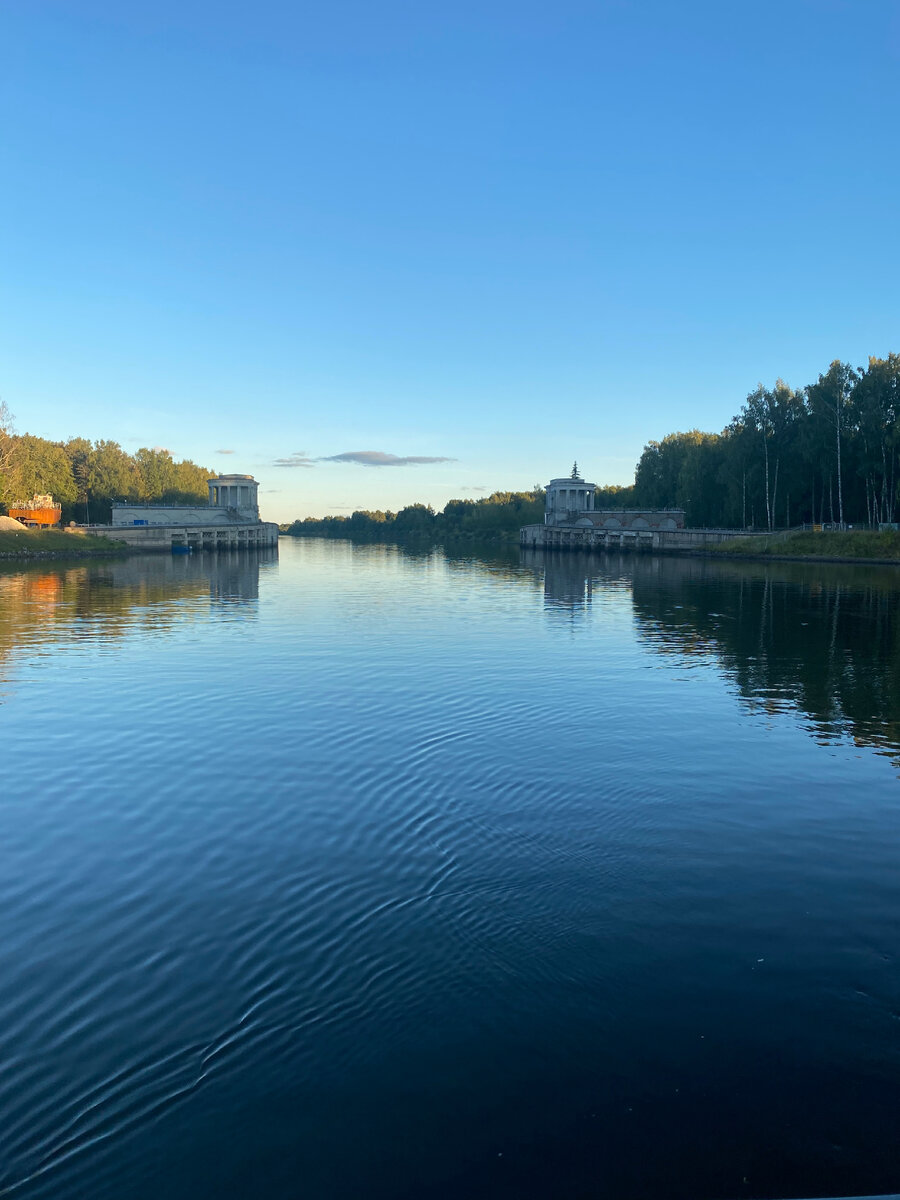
{"type": "Point", "coordinates": [430, 856]}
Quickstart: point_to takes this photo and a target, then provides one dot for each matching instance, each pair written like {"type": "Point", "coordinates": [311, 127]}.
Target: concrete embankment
{"type": "Point", "coordinates": [592, 537]}
{"type": "Point", "coordinates": [214, 536]}
{"type": "Point", "coordinates": [863, 547]}
{"type": "Point", "coordinates": [106, 541]}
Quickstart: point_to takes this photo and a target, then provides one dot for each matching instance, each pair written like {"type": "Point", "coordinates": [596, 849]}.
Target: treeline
{"type": "Point", "coordinates": [86, 477]}
{"type": "Point", "coordinates": [498, 515]}
{"type": "Point", "coordinates": [827, 452]}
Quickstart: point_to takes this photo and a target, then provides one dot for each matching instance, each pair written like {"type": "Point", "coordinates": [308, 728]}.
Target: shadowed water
{"type": "Point", "coordinates": [360, 871]}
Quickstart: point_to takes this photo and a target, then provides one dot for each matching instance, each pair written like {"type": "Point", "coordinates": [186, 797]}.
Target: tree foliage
{"type": "Point", "coordinates": [826, 453]}
{"type": "Point", "coordinates": [499, 515]}
{"type": "Point", "coordinates": [86, 477]}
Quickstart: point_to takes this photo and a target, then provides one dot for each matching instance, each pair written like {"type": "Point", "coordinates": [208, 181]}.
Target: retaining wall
{"type": "Point", "coordinates": [556, 537]}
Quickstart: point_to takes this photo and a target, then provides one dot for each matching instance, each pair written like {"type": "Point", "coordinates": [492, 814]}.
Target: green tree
{"type": "Point", "coordinates": [190, 483]}
{"type": "Point", "coordinates": [614, 495]}
{"type": "Point", "coordinates": [770, 413]}
{"type": "Point", "coordinates": [156, 473]}
{"type": "Point", "coordinates": [697, 490]}
{"type": "Point", "coordinates": [43, 466]}
{"type": "Point", "coordinates": [415, 519]}
{"type": "Point", "coordinates": [114, 473]}
{"type": "Point", "coordinates": [7, 453]}
{"type": "Point", "coordinates": [81, 452]}
{"type": "Point", "coordinates": [875, 405]}
{"type": "Point", "coordinates": [830, 397]}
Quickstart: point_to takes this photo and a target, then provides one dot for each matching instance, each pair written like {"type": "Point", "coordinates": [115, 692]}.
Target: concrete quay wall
{"type": "Point", "coordinates": [181, 514]}
{"type": "Point", "coordinates": [556, 537]}
{"type": "Point", "coordinates": [198, 537]}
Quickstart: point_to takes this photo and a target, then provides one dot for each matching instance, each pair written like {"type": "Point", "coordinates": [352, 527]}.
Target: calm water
{"type": "Point", "coordinates": [361, 872]}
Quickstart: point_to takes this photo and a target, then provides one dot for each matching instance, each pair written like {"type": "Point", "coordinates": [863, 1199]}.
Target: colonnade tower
{"type": "Point", "coordinates": [568, 498]}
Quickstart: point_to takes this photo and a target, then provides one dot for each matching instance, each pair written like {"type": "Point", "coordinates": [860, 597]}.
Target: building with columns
{"type": "Point", "coordinates": [238, 492]}
{"type": "Point", "coordinates": [570, 505]}
{"type": "Point", "coordinates": [229, 520]}
{"type": "Point", "coordinates": [232, 501]}
{"type": "Point", "coordinates": [573, 521]}
{"type": "Point", "coordinates": [568, 499]}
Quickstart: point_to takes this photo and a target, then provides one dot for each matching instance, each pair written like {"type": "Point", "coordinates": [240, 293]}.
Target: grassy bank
{"type": "Point", "coordinates": [850, 545]}
{"type": "Point", "coordinates": [37, 543]}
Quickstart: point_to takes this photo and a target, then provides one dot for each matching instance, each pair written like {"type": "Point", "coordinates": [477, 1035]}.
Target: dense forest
{"type": "Point", "coordinates": [826, 453]}
{"type": "Point", "coordinates": [86, 477]}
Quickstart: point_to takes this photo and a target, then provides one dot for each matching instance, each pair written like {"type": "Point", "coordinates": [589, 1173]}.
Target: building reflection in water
{"type": "Point", "coordinates": [40, 605]}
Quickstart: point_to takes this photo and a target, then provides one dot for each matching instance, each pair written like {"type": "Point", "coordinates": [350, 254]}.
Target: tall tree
{"type": "Point", "coordinates": [876, 409]}
{"type": "Point", "coordinates": [771, 413]}
{"type": "Point", "coordinates": [830, 396]}
{"type": "Point", "coordinates": [81, 452]}
{"type": "Point", "coordinates": [7, 452]}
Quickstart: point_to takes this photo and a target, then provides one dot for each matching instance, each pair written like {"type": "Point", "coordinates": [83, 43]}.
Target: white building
{"type": "Point", "coordinates": [568, 499]}
{"type": "Point", "coordinates": [232, 501]}
{"type": "Point", "coordinates": [570, 505]}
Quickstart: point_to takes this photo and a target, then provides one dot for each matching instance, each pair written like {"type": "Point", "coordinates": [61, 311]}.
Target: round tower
{"type": "Point", "coordinates": [568, 499]}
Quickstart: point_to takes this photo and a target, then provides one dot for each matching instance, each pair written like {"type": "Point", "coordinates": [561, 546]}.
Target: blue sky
{"type": "Point", "coordinates": [503, 235]}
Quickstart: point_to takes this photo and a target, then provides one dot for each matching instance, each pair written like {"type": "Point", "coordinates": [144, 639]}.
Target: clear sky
{"type": "Point", "coordinates": [493, 235]}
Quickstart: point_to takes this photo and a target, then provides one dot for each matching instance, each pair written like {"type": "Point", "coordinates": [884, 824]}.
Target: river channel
{"type": "Point", "coordinates": [406, 874]}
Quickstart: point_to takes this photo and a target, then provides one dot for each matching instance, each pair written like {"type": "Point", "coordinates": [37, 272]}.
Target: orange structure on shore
{"type": "Point", "coordinates": [39, 511]}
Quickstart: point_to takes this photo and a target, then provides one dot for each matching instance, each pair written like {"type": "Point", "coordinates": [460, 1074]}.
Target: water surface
{"type": "Point", "coordinates": [359, 871]}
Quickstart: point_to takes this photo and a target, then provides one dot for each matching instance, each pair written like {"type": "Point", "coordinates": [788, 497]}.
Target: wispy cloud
{"type": "Point", "coordinates": [224, 452]}
{"type": "Point", "coordinates": [473, 489]}
{"type": "Point", "coordinates": [298, 459]}
{"type": "Point", "coordinates": [378, 458]}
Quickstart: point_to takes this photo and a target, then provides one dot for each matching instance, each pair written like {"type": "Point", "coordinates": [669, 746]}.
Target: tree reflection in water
{"type": "Point", "coordinates": [43, 604]}
{"type": "Point", "coordinates": [821, 638]}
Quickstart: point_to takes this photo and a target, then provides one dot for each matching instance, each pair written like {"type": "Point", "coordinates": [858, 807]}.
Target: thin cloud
{"type": "Point", "coordinates": [298, 459]}
{"type": "Point", "coordinates": [378, 458]}
{"type": "Point", "coordinates": [224, 452]}
{"type": "Point", "coordinates": [473, 489]}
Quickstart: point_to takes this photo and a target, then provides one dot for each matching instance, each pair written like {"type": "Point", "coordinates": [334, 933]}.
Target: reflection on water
{"type": "Point", "coordinates": [44, 605]}
{"type": "Point", "coordinates": [413, 874]}
{"type": "Point", "coordinates": [821, 638]}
